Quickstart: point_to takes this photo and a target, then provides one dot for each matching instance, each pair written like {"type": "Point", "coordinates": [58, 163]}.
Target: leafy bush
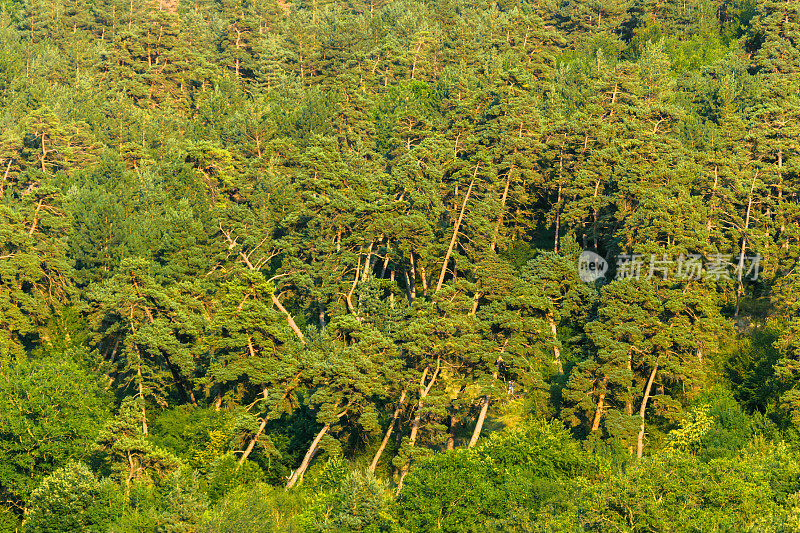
{"type": "Point", "coordinates": [71, 499]}
{"type": "Point", "coordinates": [256, 509]}
{"type": "Point", "coordinates": [468, 489]}
{"type": "Point", "coordinates": [225, 474]}
{"type": "Point", "coordinates": [360, 504]}
{"type": "Point", "coordinates": [50, 410]}
{"type": "Point", "coordinates": [9, 523]}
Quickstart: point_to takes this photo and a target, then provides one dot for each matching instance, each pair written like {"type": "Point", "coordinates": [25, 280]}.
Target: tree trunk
{"type": "Point", "coordinates": [261, 427]}
{"type": "Point", "coordinates": [391, 294]}
{"type": "Point", "coordinates": [598, 414]}
{"type": "Point", "coordinates": [640, 439]}
{"type": "Point", "coordinates": [389, 430]}
{"type": "Point", "coordinates": [253, 442]}
{"type": "Point", "coordinates": [503, 200]}
{"type": "Point", "coordinates": [411, 293]}
{"type": "Point", "coordinates": [556, 348]}
{"type": "Point", "coordinates": [629, 401]}
{"type": "Point", "coordinates": [451, 439]}
{"type": "Point", "coordinates": [485, 403]}
{"type": "Point", "coordinates": [141, 392]}
{"type": "Point", "coordinates": [349, 297]}
{"type": "Point", "coordinates": [289, 319]}
{"type": "Point", "coordinates": [297, 474]}
{"type": "Point", "coordinates": [744, 243]}
{"type": "Point", "coordinates": [455, 232]}
{"type": "Point", "coordinates": [479, 424]}
{"type": "Point", "coordinates": [558, 221]}
{"type": "Point", "coordinates": [423, 393]}
{"type": "Point", "coordinates": [5, 177]}
{"type": "Point", "coordinates": [139, 378]}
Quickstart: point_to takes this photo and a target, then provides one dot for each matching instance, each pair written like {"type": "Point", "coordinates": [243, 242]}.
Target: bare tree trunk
{"type": "Point", "coordinates": [479, 424]}
{"type": "Point", "coordinates": [297, 474]}
{"type": "Point", "coordinates": [455, 231]}
{"type": "Point", "coordinates": [476, 433]}
{"type": "Point", "coordinates": [411, 293]}
{"type": "Point", "coordinates": [744, 243]}
{"type": "Point", "coordinates": [451, 439]}
{"type": "Point", "coordinates": [389, 430]}
{"type": "Point", "coordinates": [141, 391]}
{"type": "Point", "coordinates": [558, 220]}
{"type": "Point", "coordinates": [629, 401]}
{"type": "Point", "coordinates": [598, 414]}
{"type": "Point", "coordinates": [391, 294]}
{"type": "Point", "coordinates": [413, 274]}
{"type": "Point", "coordinates": [424, 277]}
{"type": "Point", "coordinates": [556, 348]}
{"type": "Point", "coordinates": [254, 440]}
{"type": "Point", "coordinates": [503, 200]}
{"type": "Point", "coordinates": [139, 378]}
{"type": "Point", "coordinates": [5, 176]}
{"type": "Point", "coordinates": [349, 297]}
{"type": "Point", "coordinates": [289, 319]}
{"type": "Point", "coordinates": [423, 393]}
{"type": "Point", "coordinates": [640, 439]}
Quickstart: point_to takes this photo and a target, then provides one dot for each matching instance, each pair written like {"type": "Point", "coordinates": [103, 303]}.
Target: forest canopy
{"type": "Point", "coordinates": [399, 265]}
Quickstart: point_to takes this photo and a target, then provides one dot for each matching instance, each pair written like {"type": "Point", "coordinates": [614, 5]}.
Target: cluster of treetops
{"type": "Point", "coordinates": [313, 265]}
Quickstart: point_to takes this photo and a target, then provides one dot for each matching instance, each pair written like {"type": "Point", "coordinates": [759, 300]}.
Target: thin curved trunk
{"type": "Point", "coordinates": [312, 450]}
{"type": "Point", "coordinates": [389, 430]}
{"type": "Point", "coordinates": [598, 414]}
{"type": "Point", "coordinates": [289, 319]}
{"type": "Point", "coordinates": [423, 393]}
{"type": "Point", "coordinates": [640, 439]}
{"type": "Point", "coordinates": [297, 474]}
{"type": "Point", "coordinates": [556, 348]}
{"type": "Point", "coordinates": [479, 424]}
{"type": "Point", "coordinates": [740, 268]}
{"type": "Point", "coordinates": [139, 377]}
{"type": "Point", "coordinates": [485, 403]}
{"type": "Point", "coordinates": [455, 232]}
{"type": "Point", "coordinates": [141, 392]}
{"type": "Point", "coordinates": [254, 440]}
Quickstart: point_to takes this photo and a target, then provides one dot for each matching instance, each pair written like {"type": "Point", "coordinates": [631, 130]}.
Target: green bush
{"type": "Point", "coordinates": [510, 477]}
{"type": "Point", "coordinates": [71, 499]}
{"type": "Point", "coordinates": [360, 504]}
{"type": "Point", "coordinates": [225, 474]}
{"type": "Point", "coordinates": [256, 509]}
{"type": "Point", "coordinates": [9, 523]}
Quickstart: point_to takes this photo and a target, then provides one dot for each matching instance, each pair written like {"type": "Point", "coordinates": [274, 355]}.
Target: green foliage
{"type": "Point", "coordinates": [731, 430]}
{"type": "Point", "coordinates": [9, 522]}
{"type": "Point", "coordinates": [225, 474]}
{"type": "Point", "coordinates": [123, 452]}
{"type": "Point", "coordinates": [258, 508]}
{"type": "Point", "coordinates": [71, 499]}
{"type": "Point", "coordinates": [51, 410]}
{"type": "Point", "coordinates": [693, 429]}
{"type": "Point", "coordinates": [174, 504]}
{"type": "Point", "coordinates": [464, 490]}
{"type": "Point", "coordinates": [361, 503]}
{"type": "Point", "coordinates": [292, 239]}
{"type": "Point", "coordinates": [333, 473]}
